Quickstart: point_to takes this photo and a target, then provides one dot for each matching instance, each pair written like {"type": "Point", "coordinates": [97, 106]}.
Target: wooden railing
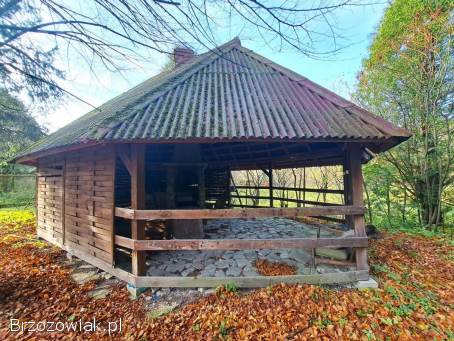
{"type": "Point", "coordinates": [284, 199]}
{"type": "Point", "coordinates": [295, 189]}
{"type": "Point", "coordinates": [141, 246]}
{"type": "Point", "coordinates": [264, 212]}
{"type": "Point", "coordinates": [238, 244]}
{"type": "Point", "coordinates": [277, 196]}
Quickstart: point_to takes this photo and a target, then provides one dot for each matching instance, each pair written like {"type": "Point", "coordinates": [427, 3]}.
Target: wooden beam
{"type": "Point", "coordinates": [63, 205]}
{"type": "Point", "coordinates": [266, 171]}
{"type": "Point", "coordinates": [138, 202]}
{"type": "Point", "coordinates": [112, 205]}
{"type": "Point", "coordinates": [32, 158]}
{"type": "Point", "coordinates": [239, 244]}
{"type": "Point", "coordinates": [117, 272]}
{"type": "Point", "coordinates": [332, 219]}
{"type": "Point", "coordinates": [355, 190]}
{"type": "Point", "coordinates": [250, 281]}
{"type": "Point", "coordinates": [170, 186]}
{"type": "Point", "coordinates": [311, 190]}
{"type": "Point", "coordinates": [331, 157]}
{"type": "Point", "coordinates": [271, 189]}
{"type": "Point", "coordinates": [228, 192]}
{"type": "Point", "coordinates": [124, 242]}
{"type": "Point", "coordinates": [308, 202]}
{"type": "Point", "coordinates": [124, 156]}
{"type": "Point", "coordinates": [191, 165]}
{"type": "Point", "coordinates": [319, 260]}
{"type": "Point", "coordinates": [202, 188]}
{"type": "Point", "coordinates": [236, 213]}
{"type": "Point", "coordinates": [347, 192]}
{"type": "Point", "coordinates": [209, 282]}
{"type": "Point", "coordinates": [282, 163]}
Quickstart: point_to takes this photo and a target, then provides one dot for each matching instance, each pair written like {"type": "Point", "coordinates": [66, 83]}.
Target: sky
{"type": "Point", "coordinates": [337, 73]}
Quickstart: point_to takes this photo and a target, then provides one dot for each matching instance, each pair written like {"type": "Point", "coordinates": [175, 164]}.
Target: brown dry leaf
{"type": "Point", "coordinates": [268, 268]}
{"type": "Point", "coordinates": [414, 302]}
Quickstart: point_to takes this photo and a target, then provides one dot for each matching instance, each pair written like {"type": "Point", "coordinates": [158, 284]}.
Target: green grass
{"type": "Point", "coordinates": [17, 199]}
{"type": "Point", "coordinates": [17, 191]}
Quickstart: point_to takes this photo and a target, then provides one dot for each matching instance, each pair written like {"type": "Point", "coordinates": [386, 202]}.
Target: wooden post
{"type": "Point", "coordinates": [112, 218]}
{"type": "Point", "coordinates": [347, 190]}
{"type": "Point", "coordinates": [170, 186]}
{"type": "Point", "coordinates": [63, 204]}
{"type": "Point", "coordinates": [270, 180]}
{"type": "Point", "coordinates": [304, 186]}
{"type": "Point", "coordinates": [138, 202]}
{"type": "Point", "coordinates": [236, 189]}
{"type": "Point", "coordinates": [201, 182]}
{"type": "Point", "coordinates": [228, 184]}
{"type": "Point", "coordinates": [36, 197]}
{"type": "Point", "coordinates": [354, 190]}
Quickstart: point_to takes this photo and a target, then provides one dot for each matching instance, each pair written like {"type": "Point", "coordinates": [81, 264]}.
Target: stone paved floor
{"type": "Point", "coordinates": [238, 263]}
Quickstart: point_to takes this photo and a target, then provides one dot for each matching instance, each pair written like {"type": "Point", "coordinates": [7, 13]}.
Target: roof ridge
{"type": "Point", "coordinates": [330, 95]}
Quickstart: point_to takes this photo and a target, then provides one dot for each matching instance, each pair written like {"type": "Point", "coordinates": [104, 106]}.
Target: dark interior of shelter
{"type": "Point", "coordinates": [188, 176]}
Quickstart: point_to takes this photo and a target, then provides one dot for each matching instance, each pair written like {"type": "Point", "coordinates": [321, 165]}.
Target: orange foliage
{"type": "Point", "coordinates": [267, 268]}
{"type": "Point", "coordinates": [414, 302]}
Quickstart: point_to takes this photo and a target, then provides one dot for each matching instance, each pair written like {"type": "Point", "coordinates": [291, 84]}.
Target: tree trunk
{"type": "Point", "coordinates": [427, 195]}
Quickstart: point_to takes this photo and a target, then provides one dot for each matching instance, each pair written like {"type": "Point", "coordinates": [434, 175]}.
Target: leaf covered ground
{"type": "Point", "coordinates": [267, 268]}
{"type": "Point", "coordinates": [415, 300]}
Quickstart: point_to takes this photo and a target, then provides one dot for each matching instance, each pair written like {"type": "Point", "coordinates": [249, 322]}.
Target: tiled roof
{"type": "Point", "coordinates": [230, 93]}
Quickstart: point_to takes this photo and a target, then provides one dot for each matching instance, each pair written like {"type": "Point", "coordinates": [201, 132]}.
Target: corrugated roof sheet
{"type": "Point", "coordinates": [230, 93]}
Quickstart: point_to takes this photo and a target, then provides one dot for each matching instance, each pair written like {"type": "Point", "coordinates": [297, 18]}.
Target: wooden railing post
{"type": "Point", "coordinates": [202, 188]}
{"type": "Point", "coordinates": [138, 202]}
{"type": "Point", "coordinates": [353, 184]}
{"type": "Point", "coordinates": [270, 180]}
{"type": "Point", "coordinates": [347, 189]}
{"type": "Point", "coordinates": [170, 189]}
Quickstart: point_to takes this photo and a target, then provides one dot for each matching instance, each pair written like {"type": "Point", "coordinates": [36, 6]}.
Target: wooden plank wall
{"type": "Point", "coordinates": [89, 202]}
{"type": "Point", "coordinates": [50, 199]}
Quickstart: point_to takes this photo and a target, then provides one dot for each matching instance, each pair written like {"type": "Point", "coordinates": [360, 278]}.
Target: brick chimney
{"type": "Point", "coordinates": [182, 55]}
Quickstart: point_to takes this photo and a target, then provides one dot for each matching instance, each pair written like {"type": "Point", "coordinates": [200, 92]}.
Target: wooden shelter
{"type": "Point", "coordinates": [164, 150]}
